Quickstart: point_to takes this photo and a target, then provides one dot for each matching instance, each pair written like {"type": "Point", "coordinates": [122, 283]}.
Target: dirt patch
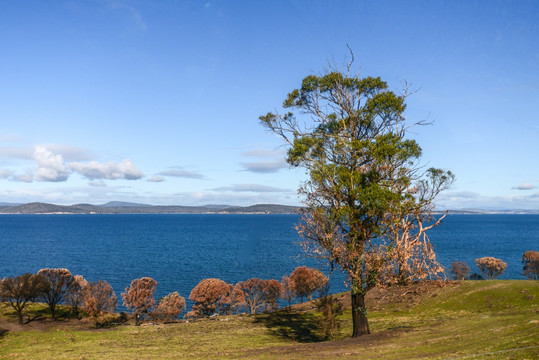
{"type": "Point", "coordinates": [12, 325]}
{"type": "Point", "coordinates": [381, 296]}
{"type": "Point", "coordinates": [328, 349]}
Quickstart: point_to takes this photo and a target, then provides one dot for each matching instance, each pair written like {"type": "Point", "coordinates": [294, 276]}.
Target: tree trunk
{"type": "Point", "coordinates": [52, 309]}
{"type": "Point", "coordinates": [137, 322]}
{"type": "Point", "coordinates": [359, 316]}
{"type": "Point", "coordinates": [19, 313]}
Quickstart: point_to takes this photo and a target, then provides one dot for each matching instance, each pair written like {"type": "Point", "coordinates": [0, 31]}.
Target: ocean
{"type": "Point", "coordinates": [180, 250]}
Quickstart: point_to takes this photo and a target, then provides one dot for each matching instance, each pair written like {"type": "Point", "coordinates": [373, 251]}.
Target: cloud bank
{"type": "Point", "coordinates": [54, 163]}
{"type": "Point", "coordinates": [525, 186]}
{"type": "Point", "coordinates": [250, 188]}
{"type": "Point", "coordinates": [179, 172]}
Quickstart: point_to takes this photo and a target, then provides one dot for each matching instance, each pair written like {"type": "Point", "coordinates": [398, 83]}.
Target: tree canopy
{"type": "Point", "coordinates": [140, 296]}
{"type": "Point", "coordinates": [368, 200]}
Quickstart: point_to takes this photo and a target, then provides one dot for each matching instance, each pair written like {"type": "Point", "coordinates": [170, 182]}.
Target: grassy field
{"type": "Point", "coordinates": [467, 320]}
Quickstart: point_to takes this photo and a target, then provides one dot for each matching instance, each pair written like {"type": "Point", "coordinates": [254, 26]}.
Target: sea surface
{"type": "Point", "coordinates": [180, 250]}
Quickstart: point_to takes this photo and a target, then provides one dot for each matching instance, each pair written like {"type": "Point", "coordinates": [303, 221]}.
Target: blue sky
{"type": "Point", "coordinates": [158, 102]}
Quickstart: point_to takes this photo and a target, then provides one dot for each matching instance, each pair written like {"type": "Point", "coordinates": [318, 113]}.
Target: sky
{"type": "Point", "coordinates": [157, 102]}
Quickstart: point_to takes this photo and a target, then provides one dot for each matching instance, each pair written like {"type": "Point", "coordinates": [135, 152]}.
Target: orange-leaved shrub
{"type": "Point", "coordinates": [257, 295]}
{"type": "Point", "coordinates": [139, 296]}
{"type": "Point", "coordinates": [169, 307]}
{"type": "Point", "coordinates": [19, 290]}
{"type": "Point", "coordinates": [99, 299]}
{"type": "Point", "coordinates": [491, 267]}
{"type": "Point", "coordinates": [58, 283]}
{"type": "Point", "coordinates": [306, 281]}
{"type": "Point", "coordinates": [530, 259]}
{"type": "Point", "coordinates": [460, 270]}
{"type": "Point", "coordinates": [211, 296]}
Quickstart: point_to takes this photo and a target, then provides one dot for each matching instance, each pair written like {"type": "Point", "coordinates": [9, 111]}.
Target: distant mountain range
{"type": "Point", "coordinates": [118, 207]}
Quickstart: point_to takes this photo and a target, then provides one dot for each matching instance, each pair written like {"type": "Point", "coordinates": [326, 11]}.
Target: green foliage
{"type": "Point", "coordinates": [366, 191]}
{"type": "Point", "coordinates": [330, 309]}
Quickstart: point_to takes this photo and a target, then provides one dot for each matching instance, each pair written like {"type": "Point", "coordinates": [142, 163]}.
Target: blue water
{"type": "Point", "coordinates": [180, 250]}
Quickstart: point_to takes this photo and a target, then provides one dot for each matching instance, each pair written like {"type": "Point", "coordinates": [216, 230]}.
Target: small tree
{"type": "Point", "coordinates": [330, 308]}
{"type": "Point", "coordinates": [98, 299]}
{"type": "Point", "coordinates": [287, 292]}
{"type": "Point", "coordinates": [169, 307]}
{"type": "Point", "coordinates": [75, 297]}
{"type": "Point", "coordinates": [59, 283]}
{"type": "Point", "coordinates": [307, 280]}
{"type": "Point", "coordinates": [140, 296]}
{"type": "Point", "coordinates": [530, 259]}
{"type": "Point", "coordinates": [460, 270]}
{"type": "Point", "coordinates": [250, 293]}
{"type": "Point", "coordinates": [258, 295]}
{"type": "Point", "coordinates": [211, 296]}
{"type": "Point", "coordinates": [491, 267]}
{"type": "Point", "coordinates": [272, 291]}
{"type": "Point", "coordinates": [18, 291]}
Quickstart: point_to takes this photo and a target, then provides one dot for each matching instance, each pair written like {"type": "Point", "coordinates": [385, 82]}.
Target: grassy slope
{"type": "Point", "coordinates": [498, 319]}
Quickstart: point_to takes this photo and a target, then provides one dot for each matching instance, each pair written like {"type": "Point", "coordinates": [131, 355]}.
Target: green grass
{"type": "Point", "coordinates": [473, 320]}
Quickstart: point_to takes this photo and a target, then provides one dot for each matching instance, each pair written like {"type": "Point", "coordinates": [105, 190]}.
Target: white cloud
{"type": "Point", "coordinates": [250, 188]}
{"type": "Point", "coordinates": [267, 153]}
{"type": "Point", "coordinates": [264, 167]}
{"type": "Point", "coordinates": [69, 153]}
{"type": "Point", "coordinates": [112, 171]}
{"type": "Point", "coordinates": [53, 164]}
{"type": "Point", "coordinates": [5, 174]}
{"type": "Point", "coordinates": [470, 200]}
{"type": "Point", "coordinates": [50, 166]}
{"type": "Point", "coordinates": [156, 179]}
{"type": "Point", "coordinates": [27, 177]}
{"type": "Point", "coordinates": [179, 172]}
{"type": "Point", "coordinates": [9, 152]}
{"type": "Point", "coordinates": [97, 183]}
{"type": "Point", "coordinates": [525, 186]}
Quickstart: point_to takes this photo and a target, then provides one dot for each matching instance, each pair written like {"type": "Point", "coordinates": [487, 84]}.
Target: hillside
{"type": "Point", "coordinates": [430, 320]}
{"type": "Point", "coordinates": [116, 207]}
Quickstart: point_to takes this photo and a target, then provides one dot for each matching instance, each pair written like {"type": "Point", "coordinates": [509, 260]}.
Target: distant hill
{"type": "Point", "coordinates": [123, 204]}
{"type": "Point", "coordinates": [489, 211]}
{"type": "Point", "coordinates": [118, 207]}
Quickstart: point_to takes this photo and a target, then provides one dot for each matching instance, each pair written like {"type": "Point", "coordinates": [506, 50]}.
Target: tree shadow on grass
{"type": "Point", "coordinates": [300, 327]}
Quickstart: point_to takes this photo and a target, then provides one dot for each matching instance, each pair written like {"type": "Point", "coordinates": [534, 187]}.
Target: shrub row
{"type": "Point", "coordinates": [491, 267]}
{"type": "Point", "coordinates": [211, 296]}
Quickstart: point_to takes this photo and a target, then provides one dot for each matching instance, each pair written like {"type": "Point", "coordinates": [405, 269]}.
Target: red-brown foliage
{"type": "Point", "coordinates": [530, 259]}
{"type": "Point", "coordinates": [258, 295]}
{"type": "Point", "coordinates": [491, 267]}
{"type": "Point", "coordinates": [460, 270]}
{"type": "Point", "coordinates": [59, 283]}
{"type": "Point", "coordinates": [19, 290]}
{"type": "Point", "coordinates": [287, 289]}
{"type": "Point", "coordinates": [307, 280]}
{"type": "Point", "coordinates": [99, 298]}
{"type": "Point", "coordinates": [75, 297]}
{"type": "Point", "coordinates": [140, 296]}
{"type": "Point", "coordinates": [273, 292]}
{"type": "Point", "coordinates": [211, 296]}
{"type": "Point", "coordinates": [169, 307]}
